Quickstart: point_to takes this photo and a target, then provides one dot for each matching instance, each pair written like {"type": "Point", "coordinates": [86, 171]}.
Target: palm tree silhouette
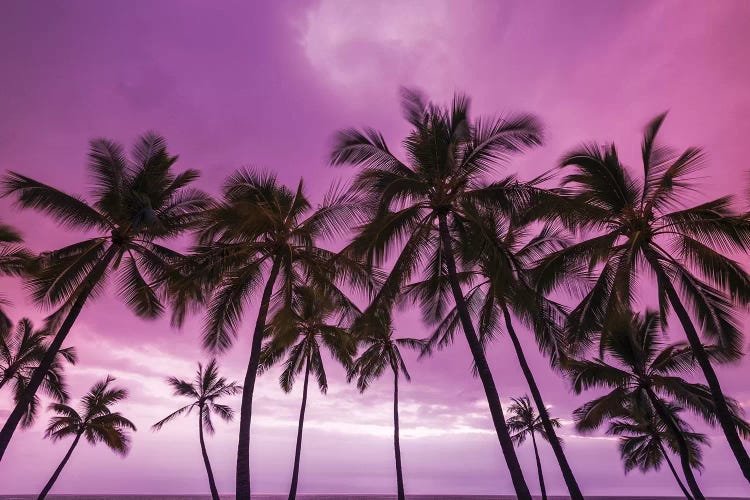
{"type": "Point", "coordinates": [525, 422]}
{"type": "Point", "coordinates": [14, 260]}
{"type": "Point", "coordinates": [383, 352]}
{"type": "Point", "coordinates": [418, 207]}
{"type": "Point", "coordinates": [298, 331]}
{"type": "Point", "coordinates": [645, 373]}
{"type": "Point", "coordinates": [635, 227]}
{"type": "Point", "coordinates": [21, 351]}
{"type": "Point", "coordinates": [260, 226]}
{"type": "Point", "coordinates": [96, 422]}
{"type": "Point", "coordinates": [136, 203]}
{"type": "Point", "coordinates": [204, 392]}
{"type": "Point", "coordinates": [645, 441]}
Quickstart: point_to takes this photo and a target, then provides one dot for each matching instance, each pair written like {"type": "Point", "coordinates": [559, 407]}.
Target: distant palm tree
{"type": "Point", "coordinates": [298, 331]}
{"type": "Point", "coordinates": [204, 392]}
{"type": "Point", "coordinates": [645, 441]}
{"type": "Point", "coordinates": [261, 226]}
{"type": "Point", "coordinates": [97, 422]}
{"type": "Point", "coordinates": [641, 227]}
{"type": "Point", "coordinates": [418, 207]}
{"type": "Point", "coordinates": [525, 422]}
{"type": "Point", "coordinates": [14, 260]}
{"type": "Point", "coordinates": [645, 373]}
{"type": "Point", "coordinates": [383, 352]}
{"type": "Point", "coordinates": [136, 202]}
{"type": "Point", "coordinates": [21, 351]}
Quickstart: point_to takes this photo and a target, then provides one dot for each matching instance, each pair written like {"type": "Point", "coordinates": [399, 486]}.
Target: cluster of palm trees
{"type": "Point", "coordinates": [478, 254]}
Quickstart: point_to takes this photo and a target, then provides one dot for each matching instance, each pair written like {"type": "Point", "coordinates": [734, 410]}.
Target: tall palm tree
{"type": "Point", "coordinates": [525, 422]}
{"type": "Point", "coordinates": [498, 254]}
{"type": "Point", "coordinates": [298, 331]}
{"type": "Point", "coordinates": [21, 351]}
{"type": "Point", "coordinates": [644, 372]}
{"type": "Point", "coordinates": [642, 227]}
{"type": "Point", "coordinates": [204, 391]}
{"type": "Point", "coordinates": [383, 352]}
{"type": "Point", "coordinates": [261, 228]}
{"type": "Point", "coordinates": [136, 202]}
{"type": "Point", "coordinates": [14, 260]}
{"type": "Point", "coordinates": [96, 422]}
{"type": "Point", "coordinates": [417, 207]}
{"type": "Point", "coordinates": [645, 441]}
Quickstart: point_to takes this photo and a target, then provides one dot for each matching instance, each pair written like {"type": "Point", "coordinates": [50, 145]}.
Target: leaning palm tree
{"type": "Point", "coordinates": [14, 260]}
{"type": "Point", "coordinates": [417, 207]}
{"type": "Point", "coordinates": [298, 331]}
{"type": "Point", "coordinates": [642, 227]}
{"type": "Point", "coordinates": [96, 422]}
{"type": "Point", "coordinates": [204, 392]}
{"type": "Point", "coordinates": [262, 234]}
{"type": "Point", "coordinates": [136, 203]}
{"type": "Point", "coordinates": [644, 372]}
{"type": "Point", "coordinates": [21, 351]}
{"type": "Point", "coordinates": [383, 352]}
{"type": "Point", "coordinates": [645, 441]}
{"type": "Point", "coordinates": [525, 422]}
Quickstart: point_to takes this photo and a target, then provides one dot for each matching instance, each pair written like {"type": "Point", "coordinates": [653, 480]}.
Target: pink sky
{"type": "Point", "coordinates": [240, 83]}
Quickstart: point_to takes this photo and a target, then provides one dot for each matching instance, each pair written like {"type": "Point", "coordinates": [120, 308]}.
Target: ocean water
{"type": "Point", "coordinates": [332, 497]}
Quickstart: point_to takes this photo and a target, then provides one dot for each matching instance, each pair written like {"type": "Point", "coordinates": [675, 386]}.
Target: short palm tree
{"type": "Point", "coordinates": [259, 229]}
{"type": "Point", "coordinates": [298, 331]}
{"type": "Point", "coordinates": [645, 441]}
{"type": "Point", "coordinates": [14, 261]}
{"type": "Point", "coordinates": [644, 372]}
{"type": "Point", "coordinates": [525, 422]}
{"type": "Point", "coordinates": [417, 207]}
{"type": "Point", "coordinates": [136, 202]}
{"type": "Point", "coordinates": [21, 351]}
{"type": "Point", "coordinates": [382, 351]}
{"type": "Point", "coordinates": [96, 422]}
{"type": "Point", "coordinates": [637, 227]}
{"type": "Point", "coordinates": [203, 392]}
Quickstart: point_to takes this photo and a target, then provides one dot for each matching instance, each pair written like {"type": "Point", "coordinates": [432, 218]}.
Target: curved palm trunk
{"type": "Point", "coordinates": [396, 440]}
{"type": "Point", "coordinates": [681, 443]}
{"type": "Point", "coordinates": [49, 356]}
{"type": "Point", "coordinates": [480, 360]}
{"type": "Point", "coordinates": [246, 408]}
{"type": "Point", "coordinates": [298, 448]}
{"type": "Point", "coordinates": [554, 441]}
{"type": "Point", "coordinates": [539, 467]}
{"type": "Point", "coordinates": [674, 473]}
{"type": "Point", "coordinates": [723, 415]}
{"type": "Point", "coordinates": [59, 469]}
{"type": "Point", "coordinates": [209, 472]}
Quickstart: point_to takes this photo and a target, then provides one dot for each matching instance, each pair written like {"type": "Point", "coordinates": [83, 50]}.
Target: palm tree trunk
{"type": "Point", "coordinates": [49, 356]}
{"type": "Point", "coordinates": [682, 445]}
{"type": "Point", "coordinates": [554, 441]}
{"type": "Point", "coordinates": [539, 467]}
{"type": "Point", "coordinates": [59, 469]}
{"type": "Point", "coordinates": [396, 440]}
{"type": "Point", "coordinates": [480, 360]}
{"type": "Point", "coordinates": [211, 481]}
{"type": "Point", "coordinates": [674, 473]}
{"type": "Point", "coordinates": [298, 448]}
{"type": "Point", "coordinates": [246, 409]}
{"type": "Point", "coordinates": [723, 415]}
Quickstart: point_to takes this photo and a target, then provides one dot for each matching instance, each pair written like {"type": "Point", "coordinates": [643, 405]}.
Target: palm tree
{"type": "Point", "coordinates": [635, 227]}
{"type": "Point", "coordinates": [645, 373]}
{"type": "Point", "coordinates": [14, 260]}
{"type": "Point", "coordinates": [97, 422]}
{"type": "Point", "coordinates": [298, 331]}
{"type": "Point", "coordinates": [525, 422]}
{"type": "Point", "coordinates": [383, 352]}
{"type": "Point", "coordinates": [645, 441]}
{"type": "Point", "coordinates": [260, 226]}
{"type": "Point", "coordinates": [135, 203]}
{"type": "Point", "coordinates": [418, 207]}
{"type": "Point", "coordinates": [204, 392]}
{"type": "Point", "coordinates": [20, 353]}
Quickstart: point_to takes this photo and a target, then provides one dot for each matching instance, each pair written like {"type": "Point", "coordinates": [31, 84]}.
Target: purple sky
{"type": "Point", "coordinates": [240, 83]}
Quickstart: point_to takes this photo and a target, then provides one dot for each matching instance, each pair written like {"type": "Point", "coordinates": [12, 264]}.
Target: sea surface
{"type": "Point", "coordinates": [333, 497]}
